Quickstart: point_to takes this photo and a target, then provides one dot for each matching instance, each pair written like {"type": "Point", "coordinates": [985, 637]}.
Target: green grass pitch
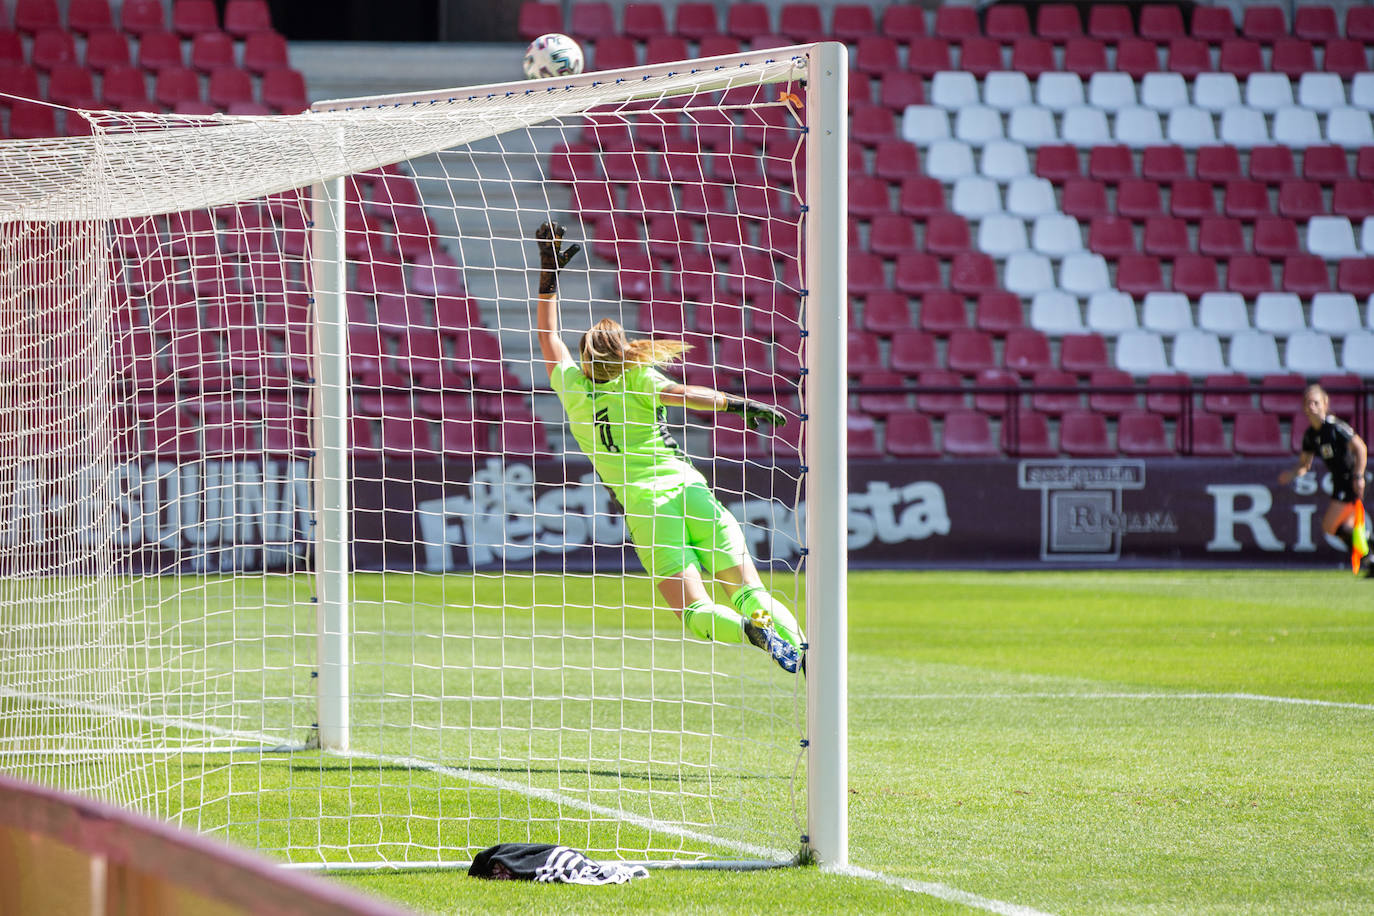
{"type": "Point", "coordinates": [1091, 742]}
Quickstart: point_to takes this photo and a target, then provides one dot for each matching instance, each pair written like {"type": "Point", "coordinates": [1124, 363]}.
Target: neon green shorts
{"type": "Point", "coordinates": [682, 528]}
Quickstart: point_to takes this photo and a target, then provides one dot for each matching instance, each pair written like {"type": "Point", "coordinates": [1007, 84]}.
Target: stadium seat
{"type": "Point", "coordinates": [970, 352]}
{"type": "Point", "coordinates": [1029, 197]}
{"type": "Point", "coordinates": [1000, 234]}
{"type": "Point", "coordinates": [1187, 56]}
{"type": "Point", "coordinates": [1032, 126]}
{"type": "Point", "coordinates": [1137, 57]}
{"type": "Point", "coordinates": [913, 352]}
{"type": "Point", "coordinates": [997, 313]}
{"type": "Point", "coordinates": [1161, 23]}
{"type": "Point", "coordinates": [877, 54]}
{"type": "Point", "coordinates": [1110, 21]}
{"type": "Point", "coordinates": [176, 84]}
{"type": "Point", "coordinates": [229, 85]}
{"type": "Point", "coordinates": [942, 312]}
{"type": "Point", "coordinates": [1004, 160]}
{"type": "Point", "coordinates": [967, 433]}
{"type": "Point", "coordinates": [52, 48]}
{"type": "Point", "coordinates": [910, 434]}
{"type": "Point", "coordinates": [903, 23]}
{"type": "Point", "coordinates": [1310, 353]}
{"type": "Point", "coordinates": [1197, 353]}
{"type": "Point", "coordinates": [1281, 394]}
{"type": "Point", "coordinates": [284, 91]}
{"type": "Point", "coordinates": [1353, 199]}
{"type": "Point", "coordinates": [537, 19]}
{"type": "Point", "coordinates": [1335, 313]}
{"type": "Point", "coordinates": [1059, 92]}
{"type": "Point", "coordinates": [1258, 435]}
{"type": "Point", "coordinates": [852, 21]}
{"type": "Point", "coordinates": [1006, 23]}
{"type": "Point", "coordinates": [1203, 436]}
{"type": "Point", "coordinates": [1026, 352]}
{"type": "Point", "coordinates": [1027, 273]}
{"type": "Point", "coordinates": [862, 437]}
{"type": "Point", "coordinates": [1243, 127]}
{"type": "Point", "coordinates": [1275, 237]}
{"type": "Point", "coordinates": [1194, 274]}
{"type": "Point", "coordinates": [1111, 164]}
{"type": "Point", "coordinates": [1026, 434]}
{"type": "Point", "coordinates": [1166, 313]}
{"type": "Point", "coordinates": [1032, 56]}
{"type": "Point", "coordinates": [1166, 392]}
{"type": "Point", "coordinates": [1056, 235]}
{"type": "Point", "coordinates": [976, 197]}
{"type": "Point", "coordinates": [1085, 57]}
{"type": "Point", "coordinates": [957, 23]}
{"type": "Point", "coordinates": [1254, 353]}
{"type": "Point", "coordinates": [1083, 434]}
{"type": "Point", "coordinates": [996, 391]}
{"type": "Point", "coordinates": [935, 392]}
{"type": "Point", "coordinates": [105, 49]}
{"type": "Point", "coordinates": [211, 51]}
{"type": "Point", "coordinates": [1083, 353]}
{"type": "Point", "coordinates": [1006, 90]}
{"type": "Point", "coordinates": [72, 86]}
{"type": "Point", "coordinates": [1356, 276]}
{"type": "Point", "coordinates": [898, 89]}
{"type": "Point", "coordinates": [1136, 199]}
{"type": "Point", "coordinates": [1246, 199]}
{"type": "Point", "coordinates": [1111, 312]}
{"type": "Point", "coordinates": [1139, 274]}
{"type": "Point", "coordinates": [1221, 237]}
{"type": "Point", "coordinates": [1222, 313]}
{"type": "Point", "coordinates": [1059, 163]}
{"type": "Point", "coordinates": [1165, 237]}
{"type": "Point", "coordinates": [30, 120]}
{"type": "Point", "coordinates": [1108, 402]}
{"type": "Point", "coordinates": [244, 17]}
{"type": "Point", "coordinates": [192, 16]}
{"type": "Point", "coordinates": [882, 403]}
{"type": "Point", "coordinates": [1357, 356]}
{"type": "Point", "coordinates": [1140, 434]}
{"type": "Point", "coordinates": [1249, 275]}
{"type": "Point", "coordinates": [1190, 127]}
{"type": "Point", "coordinates": [1085, 126]}
{"type": "Point", "coordinates": [160, 50]}
{"type": "Point", "coordinates": [918, 272]}
{"type": "Point", "coordinates": [974, 273]}
{"type": "Point", "coordinates": [695, 21]}
{"type": "Point", "coordinates": [1111, 91]}
{"type": "Point", "coordinates": [644, 21]}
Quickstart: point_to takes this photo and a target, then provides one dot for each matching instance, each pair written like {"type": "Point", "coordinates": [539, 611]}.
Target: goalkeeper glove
{"type": "Point", "coordinates": [553, 257]}
{"type": "Point", "coordinates": [754, 412]}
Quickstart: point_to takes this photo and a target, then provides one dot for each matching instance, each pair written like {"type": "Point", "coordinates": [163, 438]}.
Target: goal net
{"type": "Point", "coordinates": [295, 545]}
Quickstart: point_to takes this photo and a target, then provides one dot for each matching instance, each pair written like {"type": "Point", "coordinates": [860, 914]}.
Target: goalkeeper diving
{"type": "Point", "coordinates": [615, 395]}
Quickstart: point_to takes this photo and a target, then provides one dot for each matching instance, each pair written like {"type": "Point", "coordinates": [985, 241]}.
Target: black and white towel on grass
{"type": "Point", "coordinates": [549, 864]}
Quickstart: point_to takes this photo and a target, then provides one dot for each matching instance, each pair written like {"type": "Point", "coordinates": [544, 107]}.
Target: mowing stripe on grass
{"type": "Point", "coordinates": [271, 743]}
{"type": "Point", "coordinates": [1252, 697]}
{"type": "Point", "coordinates": [940, 892]}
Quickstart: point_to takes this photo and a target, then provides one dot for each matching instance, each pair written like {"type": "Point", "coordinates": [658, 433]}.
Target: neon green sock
{"type": "Point", "coordinates": [754, 598]}
{"type": "Point", "coordinates": [713, 622]}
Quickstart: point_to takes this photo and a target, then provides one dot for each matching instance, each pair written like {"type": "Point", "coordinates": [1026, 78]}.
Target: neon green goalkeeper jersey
{"type": "Point", "coordinates": [620, 426]}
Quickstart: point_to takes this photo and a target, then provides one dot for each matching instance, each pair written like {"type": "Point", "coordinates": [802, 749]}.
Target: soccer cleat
{"type": "Point", "coordinates": [1359, 538]}
{"type": "Point", "coordinates": [767, 639]}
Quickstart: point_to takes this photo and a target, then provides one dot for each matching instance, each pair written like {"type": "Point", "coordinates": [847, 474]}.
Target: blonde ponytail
{"type": "Point", "coordinates": [606, 351]}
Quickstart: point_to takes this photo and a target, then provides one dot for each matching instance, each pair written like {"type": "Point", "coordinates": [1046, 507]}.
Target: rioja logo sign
{"type": "Point", "coordinates": [1081, 514]}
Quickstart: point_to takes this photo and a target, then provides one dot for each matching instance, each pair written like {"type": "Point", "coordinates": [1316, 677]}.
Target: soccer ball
{"type": "Point", "coordinates": [553, 55]}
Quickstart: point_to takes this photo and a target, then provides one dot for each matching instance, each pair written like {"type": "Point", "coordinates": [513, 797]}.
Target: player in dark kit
{"type": "Point", "coordinates": [1344, 454]}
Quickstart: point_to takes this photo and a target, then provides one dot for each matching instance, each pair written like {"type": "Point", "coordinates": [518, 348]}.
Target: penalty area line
{"type": "Point", "coordinates": [1241, 697]}
{"type": "Point", "coordinates": [938, 891]}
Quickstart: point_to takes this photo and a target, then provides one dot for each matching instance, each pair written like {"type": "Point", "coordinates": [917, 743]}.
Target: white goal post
{"type": "Point", "coordinates": [294, 546]}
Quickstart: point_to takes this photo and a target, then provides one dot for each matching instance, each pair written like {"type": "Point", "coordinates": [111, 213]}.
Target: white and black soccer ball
{"type": "Point", "coordinates": [554, 54]}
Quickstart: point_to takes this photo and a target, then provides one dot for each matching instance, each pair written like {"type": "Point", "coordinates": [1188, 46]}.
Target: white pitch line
{"type": "Point", "coordinates": [1250, 697]}
{"type": "Point", "coordinates": [940, 892]}
{"type": "Point", "coordinates": [929, 889]}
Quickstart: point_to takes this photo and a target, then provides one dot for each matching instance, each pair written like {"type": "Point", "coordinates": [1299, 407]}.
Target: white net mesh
{"type": "Point", "coordinates": [512, 674]}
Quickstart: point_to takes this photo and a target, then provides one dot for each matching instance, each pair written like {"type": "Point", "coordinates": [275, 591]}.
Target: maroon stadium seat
{"type": "Point", "coordinates": [921, 196]}
{"type": "Point", "coordinates": [1246, 199]}
{"type": "Point", "coordinates": [1315, 23]}
{"type": "Point", "coordinates": [1059, 163]}
{"type": "Point", "coordinates": [967, 433]}
{"type": "Point", "coordinates": [192, 16]}
{"type": "Point", "coordinates": [1292, 57]}
{"type": "Point", "coordinates": [998, 312]}
{"type": "Point", "coordinates": [1210, 23]}
{"type": "Point", "coordinates": [1272, 164]}
{"type": "Point", "coordinates": [1027, 351]}
{"type": "Point", "coordinates": [29, 121]}
{"type": "Point", "coordinates": [1189, 57]}
{"type": "Point", "coordinates": [72, 86]}
{"type": "Point", "coordinates": [1111, 237]}
{"type": "Point", "coordinates": [1107, 402]}
{"type": "Point", "coordinates": [1259, 435]}
{"type": "Point", "coordinates": [1345, 57]}
{"type": "Point", "coordinates": [244, 17]}
{"type": "Point", "coordinates": [1301, 200]}
{"type": "Point", "coordinates": [1032, 435]}
{"type": "Point", "coordinates": [537, 19]}
{"type": "Point", "coordinates": [106, 49]}
{"type": "Point", "coordinates": [1161, 22]}
{"type": "Point", "coordinates": [1111, 164]}
{"type": "Point", "coordinates": [1221, 237]}
{"type": "Point", "coordinates": [1226, 403]}
{"type": "Point", "coordinates": [1083, 434]}
{"type": "Point", "coordinates": [1249, 275]}
{"type": "Point", "coordinates": [1058, 22]}
{"type": "Point", "coordinates": [1137, 56]}
{"type": "Point", "coordinates": [1085, 199]}
{"type": "Point", "coordinates": [140, 16]}
{"type": "Point", "coordinates": [917, 273]}
{"type": "Point", "coordinates": [926, 56]}
{"type": "Point", "coordinates": [980, 56]}
{"type": "Point", "coordinates": [1195, 274]}
{"type": "Point", "coordinates": [1263, 23]}
{"type": "Point", "coordinates": [903, 23]}
{"type": "Point", "coordinates": [1160, 396]}
{"type": "Point", "coordinates": [972, 273]}
{"type": "Point", "coordinates": [284, 91]}
{"type": "Point", "coordinates": [910, 435]}
{"type": "Point", "coordinates": [747, 21]}
{"type": "Point", "coordinates": [591, 20]}
{"type": "Point", "coordinates": [212, 50]}
{"type": "Point", "coordinates": [1138, 199]}
{"type": "Point", "coordinates": [159, 50]}
{"type": "Point", "coordinates": [1275, 236]}
{"type": "Point", "coordinates": [176, 84]}
{"type": "Point", "coordinates": [1281, 394]}
{"type": "Point", "coordinates": [1083, 354]}
{"type": "Point", "coordinates": [913, 352]}
{"type": "Point", "coordinates": [644, 21]}
{"type": "Point", "coordinates": [1165, 237]}
{"type": "Point", "coordinates": [695, 21]}
{"type": "Point", "coordinates": [1110, 22]}
{"type": "Point", "coordinates": [1208, 436]}
{"type": "Point", "coordinates": [957, 22]}
{"type": "Point", "coordinates": [1242, 57]}
{"type": "Point", "coordinates": [1140, 434]}
{"type": "Point", "coordinates": [1305, 274]}
{"type": "Point", "coordinates": [862, 437]}
{"type": "Point", "coordinates": [801, 22]}
{"type": "Point", "coordinates": [942, 312]}
{"type": "Point", "coordinates": [1056, 403]}
{"type": "Point", "coordinates": [31, 16]}
{"type": "Point", "coordinates": [852, 21]}
{"type": "Point", "coordinates": [1006, 22]}
{"type": "Point", "coordinates": [970, 352]}
{"type": "Point", "coordinates": [882, 404]}
{"type": "Point", "coordinates": [1085, 56]}
{"type": "Point", "coordinates": [1139, 274]}
{"type": "Point", "coordinates": [1164, 163]}
{"type": "Point", "coordinates": [991, 392]}
{"type": "Point", "coordinates": [1032, 56]}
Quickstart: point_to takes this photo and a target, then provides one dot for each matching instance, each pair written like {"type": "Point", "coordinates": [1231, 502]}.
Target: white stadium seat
{"type": "Point", "coordinates": [1337, 314]}
{"type": "Point", "coordinates": [1166, 313]}
{"type": "Point", "coordinates": [1349, 127]}
{"type": "Point", "coordinates": [975, 197]}
{"type": "Point", "coordinates": [1163, 91]}
{"type": "Point", "coordinates": [1331, 237]}
{"type": "Point", "coordinates": [1362, 91]}
{"type": "Point", "coordinates": [949, 160]}
{"type": "Point", "coordinates": [1216, 92]}
{"type": "Point", "coordinates": [1006, 90]}
{"type": "Point", "coordinates": [1367, 235]}
{"type": "Point", "coordinates": [1296, 127]}
{"type": "Point", "coordinates": [1141, 353]}
{"type": "Point", "coordinates": [1056, 235]}
{"type": "Point", "coordinates": [1001, 235]}
{"type": "Point", "coordinates": [977, 125]}
{"type": "Point", "coordinates": [1321, 92]}
{"type": "Point", "coordinates": [1279, 313]}
{"type": "Point", "coordinates": [1243, 127]}
{"type": "Point", "coordinates": [1111, 91]}
{"type": "Point", "coordinates": [1032, 126]}
{"type": "Point", "coordinates": [1055, 312]}
{"type": "Point", "coordinates": [1028, 273]}
{"type": "Point", "coordinates": [953, 89]}
{"type": "Point", "coordinates": [1190, 127]}
{"type": "Point", "coordinates": [923, 124]}
{"type": "Point", "coordinates": [1198, 353]}
{"type": "Point", "coordinates": [1004, 160]}
{"type": "Point", "coordinates": [1059, 91]}
{"type": "Point", "coordinates": [1084, 126]}
{"type": "Point", "coordinates": [1111, 312]}
{"type": "Point", "coordinates": [1357, 353]}
{"type": "Point", "coordinates": [1084, 273]}
{"type": "Point", "coordinates": [1268, 91]}
{"type": "Point", "coordinates": [1138, 127]}
{"type": "Point", "coordinates": [1254, 353]}
{"type": "Point", "coordinates": [1030, 196]}
{"type": "Point", "coordinates": [1222, 313]}
{"type": "Point", "coordinates": [1309, 353]}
